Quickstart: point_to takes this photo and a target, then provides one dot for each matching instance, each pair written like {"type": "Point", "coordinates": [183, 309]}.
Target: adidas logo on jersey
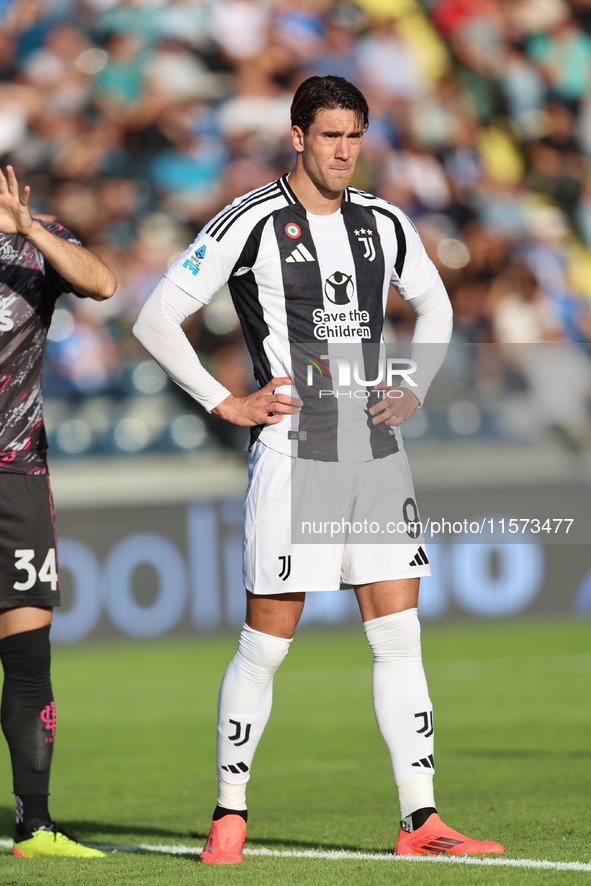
{"type": "Point", "coordinates": [420, 558]}
{"type": "Point", "coordinates": [8, 253]}
{"type": "Point", "coordinates": [300, 253]}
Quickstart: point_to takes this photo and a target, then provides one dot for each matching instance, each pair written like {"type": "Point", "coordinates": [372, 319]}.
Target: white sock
{"type": "Point", "coordinates": [244, 706]}
{"type": "Point", "coordinates": [403, 710]}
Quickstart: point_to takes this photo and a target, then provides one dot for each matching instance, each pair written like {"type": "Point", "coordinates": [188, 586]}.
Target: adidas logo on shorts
{"type": "Point", "coordinates": [420, 559]}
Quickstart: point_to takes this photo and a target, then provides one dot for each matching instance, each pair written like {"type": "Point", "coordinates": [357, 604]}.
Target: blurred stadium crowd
{"type": "Point", "coordinates": [135, 121]}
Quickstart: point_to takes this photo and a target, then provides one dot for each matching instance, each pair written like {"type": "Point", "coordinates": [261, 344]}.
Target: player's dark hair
{"type": "Point", "coordinates": [330, 93]}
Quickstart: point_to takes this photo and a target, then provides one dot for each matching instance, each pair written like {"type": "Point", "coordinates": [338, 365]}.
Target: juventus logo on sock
{"type": "Point", "coordinates": [236, 738]}
{"type": "Point", "coordinates": [426, 729]}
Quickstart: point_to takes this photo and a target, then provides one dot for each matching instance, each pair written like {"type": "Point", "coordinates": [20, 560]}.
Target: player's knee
{"type": "Point", "coordinates": [395, 635]}
{"type": "Point", "coordinates": [26, 656]}
{"type": "Point", "coordinates": [261, 653]}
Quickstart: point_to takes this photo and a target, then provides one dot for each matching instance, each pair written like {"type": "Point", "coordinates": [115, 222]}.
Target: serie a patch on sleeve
{"type": "Point", "coordinates": [193, 262]}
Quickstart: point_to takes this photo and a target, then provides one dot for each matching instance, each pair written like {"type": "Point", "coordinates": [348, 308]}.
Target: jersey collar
{"type": "Point", "coordinates": [291, 197]}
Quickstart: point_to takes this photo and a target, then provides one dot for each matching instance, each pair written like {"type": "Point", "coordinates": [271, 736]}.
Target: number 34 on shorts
{"type": "Point", "coordinates": [47, 573]}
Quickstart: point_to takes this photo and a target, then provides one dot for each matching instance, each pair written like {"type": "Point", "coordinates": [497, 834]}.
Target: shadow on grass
{"type": "Point", "coordinates": [286, 844]}
{"type": "Point", "coordinates": [83, 829]}
{"type": "Point", "coordinates": [87, 831]}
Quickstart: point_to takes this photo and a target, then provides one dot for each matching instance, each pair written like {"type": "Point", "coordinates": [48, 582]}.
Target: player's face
{"type": "Point", "coordinates": [330, 150]}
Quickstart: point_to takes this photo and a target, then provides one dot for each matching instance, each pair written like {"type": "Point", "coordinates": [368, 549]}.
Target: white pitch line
{"type": "Point", "coordinates": [348, 855]}
{"type": "Point", "coordinates": [342, 855]}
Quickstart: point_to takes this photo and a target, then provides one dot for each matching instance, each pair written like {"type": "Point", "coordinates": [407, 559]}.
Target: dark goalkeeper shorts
{"type": "Point", "coordinates": [28, 550]}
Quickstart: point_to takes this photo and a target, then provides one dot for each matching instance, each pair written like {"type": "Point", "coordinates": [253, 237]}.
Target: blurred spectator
{"type": "Point", "coordinates": [176, 73]}
{"type": "Point", "coordinates": [256, 118]}
{"type": "Point", "coordinates": [417, 166]}
{"type": "Point", "coordinates": [295, 36]}
{"type": "Point", "coordinates": [563, 55]}
{"type": "Point", "coordinates": [56, 69]}
{"type": "Point", "coordinates": [520, 314]}
{"type": "Point", "coordinates": [119, 85]}
{"type": "Point", "coordinates": [442, 112]}
{"type": "Point", "coordinates": [387, 64]}
{"type": "Point", "coordinates": [535, 16]}
{"type": "Point", "coordinates": [546, 255]}
{"type": "Point", "coordinates": [551, 175]}
{"type": "Point", "coordinates": [84, 351]}
{"type": "Point", "coordinates": [17, 106]}
{"type": "Point", "coordinates": [240, 28]}
{"type": "Point", "coordinates": [186, 174]}
{"type": "Point", "coordinates": [524, 91]}
{"type": "Point", "coordinates": [343, 23]}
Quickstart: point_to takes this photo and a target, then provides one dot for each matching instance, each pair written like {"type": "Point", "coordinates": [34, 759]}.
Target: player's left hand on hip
{"type": "Point", "coordinates": [394, 406]}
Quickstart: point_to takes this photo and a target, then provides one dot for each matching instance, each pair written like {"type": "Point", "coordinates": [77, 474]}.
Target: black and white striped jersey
{"type": "Point", "coordinates": [309, 291]}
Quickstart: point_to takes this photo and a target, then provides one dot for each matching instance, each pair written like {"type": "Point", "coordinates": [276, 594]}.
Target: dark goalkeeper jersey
{"type": "Point", "coordinates": [311, 291]}
{"type": "Point", "coordinates": [29, 288]}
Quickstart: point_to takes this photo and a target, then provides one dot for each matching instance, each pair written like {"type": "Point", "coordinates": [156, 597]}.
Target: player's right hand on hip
{"type": "Point", "coordinates": [263, 407]}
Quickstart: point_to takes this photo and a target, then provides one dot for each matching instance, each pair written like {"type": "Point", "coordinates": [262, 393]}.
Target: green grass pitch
{"type": "Point", "coordinates": [135, 759]}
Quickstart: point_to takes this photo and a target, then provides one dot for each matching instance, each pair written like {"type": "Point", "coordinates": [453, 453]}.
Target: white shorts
{"type": "Point", "coordinates": [361, 519]}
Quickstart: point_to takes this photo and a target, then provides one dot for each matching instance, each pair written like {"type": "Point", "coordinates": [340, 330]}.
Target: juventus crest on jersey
{"type": "Point", "coordinates": [311, 291]}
